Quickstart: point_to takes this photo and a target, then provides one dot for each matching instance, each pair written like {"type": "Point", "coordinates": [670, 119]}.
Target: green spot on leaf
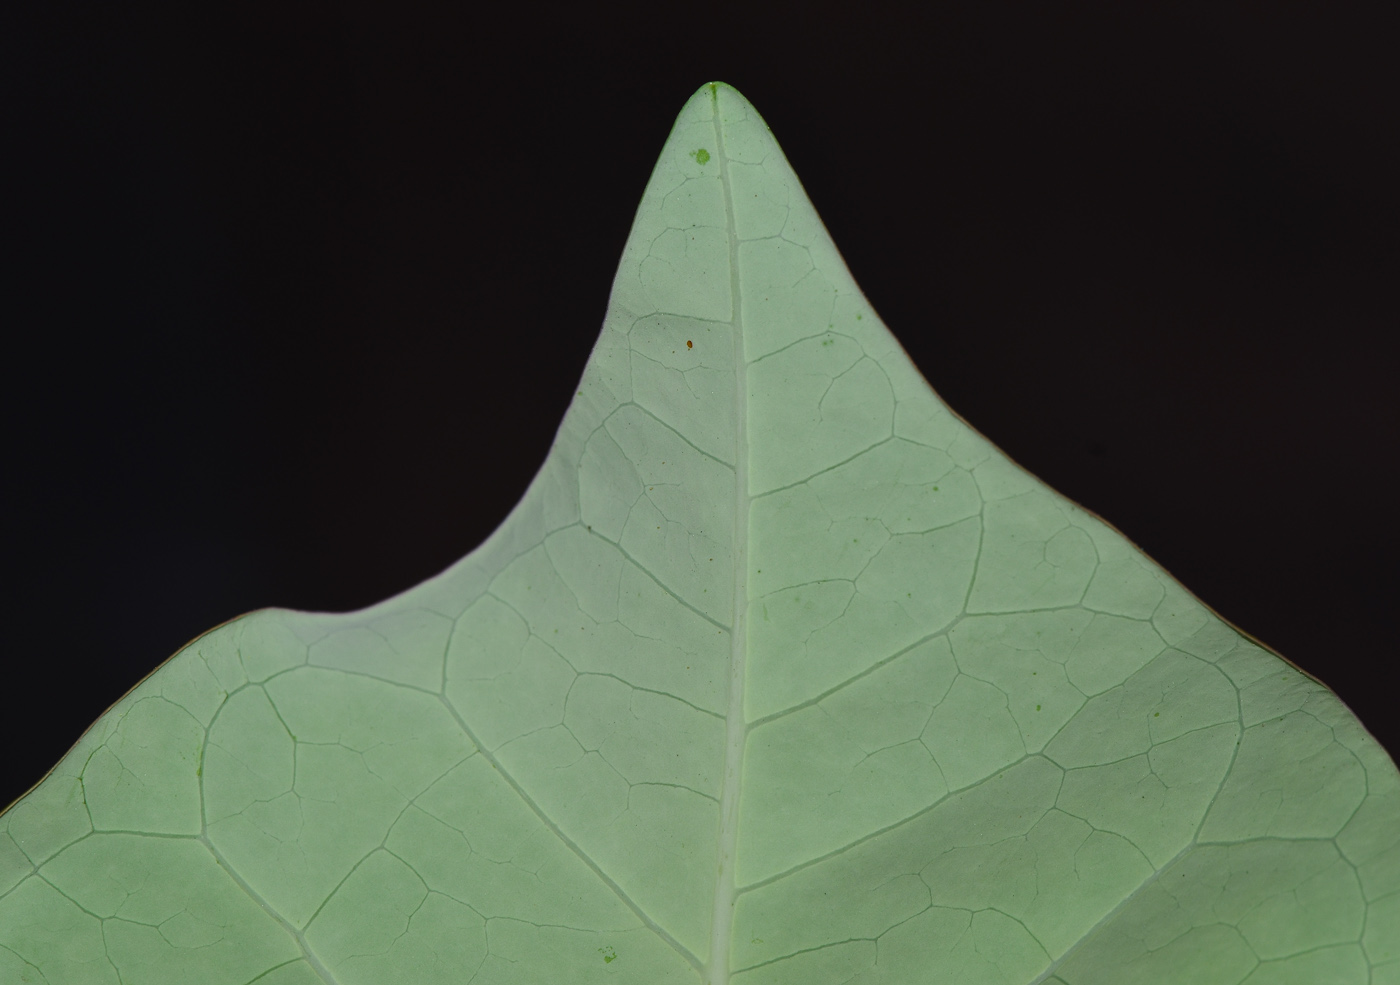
{"type": "Point", "coordinates": [702, 156]}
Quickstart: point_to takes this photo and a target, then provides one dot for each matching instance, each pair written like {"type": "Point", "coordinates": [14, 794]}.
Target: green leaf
{"type": "Point", "coordinates": [778, 673]}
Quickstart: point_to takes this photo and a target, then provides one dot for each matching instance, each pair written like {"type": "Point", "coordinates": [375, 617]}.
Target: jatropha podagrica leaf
{"type": "Point", "coordinates": [779, 673]}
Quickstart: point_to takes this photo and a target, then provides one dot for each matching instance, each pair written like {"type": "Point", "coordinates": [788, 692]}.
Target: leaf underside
{"type": "Point", "coordinates": [778, 673]}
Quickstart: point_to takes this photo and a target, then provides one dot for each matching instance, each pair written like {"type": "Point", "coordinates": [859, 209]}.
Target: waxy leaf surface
{"type": "Point", "coordinates": [779, 673]}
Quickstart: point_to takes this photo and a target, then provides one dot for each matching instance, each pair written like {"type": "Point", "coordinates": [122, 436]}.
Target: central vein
{"type": "Point", "coordinates": [735, 731]}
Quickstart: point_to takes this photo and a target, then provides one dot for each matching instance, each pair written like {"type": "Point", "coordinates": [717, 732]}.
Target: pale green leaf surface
{"type": "Point", "coordinates": [779, 673]}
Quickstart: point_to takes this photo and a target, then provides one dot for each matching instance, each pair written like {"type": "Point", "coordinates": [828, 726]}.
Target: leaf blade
{"type": "Point", "coordinates": [772, 631]}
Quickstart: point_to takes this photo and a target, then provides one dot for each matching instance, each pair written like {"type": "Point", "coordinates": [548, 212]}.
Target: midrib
{"type": "Point", "coordinates": [735, 730]}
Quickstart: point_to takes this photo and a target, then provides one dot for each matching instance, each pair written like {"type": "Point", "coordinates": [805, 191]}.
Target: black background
{"type": "Point", "coordinates": [296, 295]}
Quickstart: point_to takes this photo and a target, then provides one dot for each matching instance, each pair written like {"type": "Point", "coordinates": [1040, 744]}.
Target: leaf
{"type": "Point", "coordinates": [778, 673]}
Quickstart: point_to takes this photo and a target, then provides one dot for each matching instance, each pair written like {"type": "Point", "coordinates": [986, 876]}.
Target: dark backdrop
{"type": "Point", "coordinates": [296, 295]}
